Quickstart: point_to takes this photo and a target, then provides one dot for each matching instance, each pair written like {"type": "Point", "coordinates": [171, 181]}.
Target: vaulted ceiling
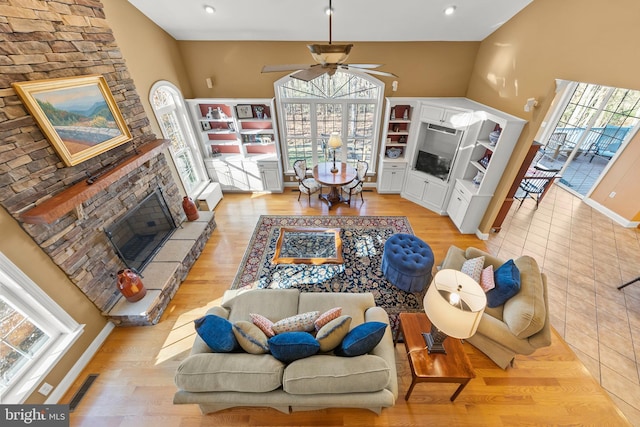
{"type": "Point", "coordinates": [353, 20]}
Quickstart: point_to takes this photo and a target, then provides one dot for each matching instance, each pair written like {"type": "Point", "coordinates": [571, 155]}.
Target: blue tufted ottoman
{"type": "Point", "coordinates": [407, 262]}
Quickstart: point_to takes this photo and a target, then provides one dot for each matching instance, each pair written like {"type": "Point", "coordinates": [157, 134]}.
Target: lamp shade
{"type": "Point", "coordinates": [334, 140]}
{"type": "Point", "coordinates": [454, 303]}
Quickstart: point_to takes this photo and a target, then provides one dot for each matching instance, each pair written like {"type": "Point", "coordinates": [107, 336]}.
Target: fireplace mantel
{"type": "Point", "coordinates": [72, 198]}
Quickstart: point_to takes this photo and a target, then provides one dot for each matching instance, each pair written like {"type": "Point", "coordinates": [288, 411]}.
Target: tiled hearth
{"type": "Point", "coordinates": [163, 275]}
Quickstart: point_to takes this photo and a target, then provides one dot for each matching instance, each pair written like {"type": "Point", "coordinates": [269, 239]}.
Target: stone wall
{"type": "Point", "coordinates": [65, 38]}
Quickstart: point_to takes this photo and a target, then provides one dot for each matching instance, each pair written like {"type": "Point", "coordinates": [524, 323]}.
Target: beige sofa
{"type": "Point", "coordinates": [217, 381]}
{"type": "Point", "coordinates": [521, 325]}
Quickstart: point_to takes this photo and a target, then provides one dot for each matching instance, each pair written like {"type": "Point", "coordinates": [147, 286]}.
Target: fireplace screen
{"type": "Point", "coordinates": [140, 233]}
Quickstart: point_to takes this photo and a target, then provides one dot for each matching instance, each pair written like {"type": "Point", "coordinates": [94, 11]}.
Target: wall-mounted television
{"type": "Point", "coordinates": [433, 164]}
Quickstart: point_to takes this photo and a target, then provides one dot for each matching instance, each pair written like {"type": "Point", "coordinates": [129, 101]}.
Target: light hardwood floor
{"type": "Point", "coordinates": [136, 365]}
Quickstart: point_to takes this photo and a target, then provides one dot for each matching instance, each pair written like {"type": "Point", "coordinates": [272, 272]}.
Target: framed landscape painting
{"type": "Point", "coordinates": [78, 115]}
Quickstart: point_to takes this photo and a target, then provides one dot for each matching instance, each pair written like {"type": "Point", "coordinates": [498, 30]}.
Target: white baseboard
{"type": "Point", "coordinates": [77, 368]}
{"type": "Point", "coordinates": [611, 214]}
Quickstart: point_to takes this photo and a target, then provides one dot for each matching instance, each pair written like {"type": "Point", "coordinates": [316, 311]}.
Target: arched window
{"type": "Point", "coordinates": [170, 111]}
{"type": "Point", "coordinates": [347, 102]}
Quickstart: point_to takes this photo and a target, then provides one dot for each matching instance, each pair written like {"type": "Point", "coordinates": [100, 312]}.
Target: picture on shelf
{"type": "Point", "coordinates": [205, 125]}
{"type": "Point", "coordinates": [244, 111]}
{"type": "Point", "coordinates": [258, 112]}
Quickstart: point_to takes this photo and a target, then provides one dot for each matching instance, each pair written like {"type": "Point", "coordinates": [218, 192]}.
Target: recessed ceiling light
{"type": "Point", "coordinates": [209, 9]}
{"type": "Point", "coordinates": [450, 10]}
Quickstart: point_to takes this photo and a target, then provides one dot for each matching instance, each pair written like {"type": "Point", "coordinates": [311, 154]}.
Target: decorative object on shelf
{"type": "Point", "coordinates": [485, 160]}
{"type": "Point", "coordinates": [334, 143]}
{"type": "Point", "coordinates": [77, 134]}
{"type": "Point", "coordinates": [494, 136]}
{"type": "Point", "coordinates": [477, 180]}
{"type": "Point", "coordinates": [393, 114]}
{"type": "Point", "coordinates": [454, 304]}
{"type": "Point", "coordinates": [190, 208]}
{"type": "Point", "coordinates": [130, 285]}
{"type": "Point", "coordinates": [396, 128]}
{"type": "Point", "coordinates": [388, 140]}
{"type": "Point", "coordinates": [393, 152]}
{"type": "Point", "coordinates": [221, 114]}
{"type": "Point", "coordinates": [405, 116]}
{"type": "Point", "coordinates": [205, 125]}
{"type": "Point", "coordinates": [258, 111]}
{"type": "Point", "coordinates": [213, 114]}
{"type": "Point", "coordinates": [402, 139]}
{"type": "Point", "coordinates": [244, 111]}
{"type": "Point", "coordinates": [231, 126]}
{"type": "Point", "coordinates": [215, 152]}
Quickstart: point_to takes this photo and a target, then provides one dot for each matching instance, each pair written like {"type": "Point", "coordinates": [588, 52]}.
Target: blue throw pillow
{"type": "Point", "coordinates": [217, 333]}
{"type": "Point", "coordinates": [290, 346]}
{"type": "Point", "coordinates": [507, 280]}
{"type": "Point", "coordinates": [361, 339]}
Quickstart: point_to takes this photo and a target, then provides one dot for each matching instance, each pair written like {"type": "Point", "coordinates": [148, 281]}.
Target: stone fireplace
{"type": "Point", "coordinates": [54, 204]}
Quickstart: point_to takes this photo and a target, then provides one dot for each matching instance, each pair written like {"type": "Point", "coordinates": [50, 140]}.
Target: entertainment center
{"type": "Point", "coordinates": [455, 153]}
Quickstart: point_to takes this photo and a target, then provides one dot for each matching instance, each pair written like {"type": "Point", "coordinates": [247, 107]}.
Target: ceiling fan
{"type": "Point", "coordinates": [329, 58]}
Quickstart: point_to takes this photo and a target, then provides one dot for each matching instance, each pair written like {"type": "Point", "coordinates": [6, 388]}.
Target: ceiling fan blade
{"type": "Point", "coordinates": [310, 73]}
{"type": "Point", "coordinates": [364, 65]}
{"type": "Point", "coordinates": [285, 67]}
{"type": "Point", "coordinates": [378, 73]}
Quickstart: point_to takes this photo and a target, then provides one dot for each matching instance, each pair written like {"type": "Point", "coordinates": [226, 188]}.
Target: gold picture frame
{"type": "Point", "coordinates": [78, 115]}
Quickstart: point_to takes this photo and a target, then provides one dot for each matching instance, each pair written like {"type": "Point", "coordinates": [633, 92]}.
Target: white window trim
{"type": "Point", "coordinates": [190, 137]}
{"type": "Point", "coordinates": [379, 102]}
{"type": "Point", "coordinates": [37, 305]}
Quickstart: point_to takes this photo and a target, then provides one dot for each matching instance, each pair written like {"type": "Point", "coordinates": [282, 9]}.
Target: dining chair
{"type": "Point", "coordinates": [535, 183]}
{"type": "Point", "coordinates": [306, 185]}
{"type": "Point", "coordinates": [355, 186]}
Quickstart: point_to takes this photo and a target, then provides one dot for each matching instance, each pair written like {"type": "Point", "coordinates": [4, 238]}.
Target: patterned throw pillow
{"type": "Point", "coordinates": [303, 322]}
{"type": "Point", "coordinates": [473, 268]}
{"type": "Point", "coordinates": [327, 317]}
{"type": "Point", "coordinates": [250, 337]}
{"type": "Point", "coordinates": [263, 323]}
{"type": "Point", "coordinates": [332, 334]}
{"type": "Point", "coordinates": [486, 279]}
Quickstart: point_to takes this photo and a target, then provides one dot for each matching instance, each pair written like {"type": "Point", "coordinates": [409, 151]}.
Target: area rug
{"type": "Point", "coordinates": [363, 239]}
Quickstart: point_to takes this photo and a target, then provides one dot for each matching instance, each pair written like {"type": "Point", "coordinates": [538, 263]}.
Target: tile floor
{"type": "Point", "coordinates": [586, 256]}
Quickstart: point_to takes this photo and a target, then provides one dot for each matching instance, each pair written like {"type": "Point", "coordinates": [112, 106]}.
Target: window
{"type": "Point", "coordinates": [592, 124]}
{"type": "Point", "coordinates": [170, 112]}
{"type": "Point", "coordinates": [34, 333]}
{"type": "Point", "coordinates": [347, 102]}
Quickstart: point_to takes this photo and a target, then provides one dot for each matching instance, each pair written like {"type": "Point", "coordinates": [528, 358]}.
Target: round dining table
{"type": "Point", "coordinates": [334, 180]}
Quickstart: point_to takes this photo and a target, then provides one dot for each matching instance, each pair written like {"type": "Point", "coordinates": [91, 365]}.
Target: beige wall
{"type": "Point", "coordinates": [150, 53]}
{"type": "Point", "coordinates": [424, 69]}
{"type": "Point", "coordinates": [587, 41]}
{"type": "Point", "coordinates": [16, 245]}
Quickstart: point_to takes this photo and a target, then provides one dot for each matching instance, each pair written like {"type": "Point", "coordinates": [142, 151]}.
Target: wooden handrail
{"type": "Point", "coordinates": [71, 198]}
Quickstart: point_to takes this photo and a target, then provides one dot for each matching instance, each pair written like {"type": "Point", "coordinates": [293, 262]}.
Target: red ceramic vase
{"type": "Point", "coordinates": [190, 208]}
{"type": "Point", "coordinates": [130, 285]}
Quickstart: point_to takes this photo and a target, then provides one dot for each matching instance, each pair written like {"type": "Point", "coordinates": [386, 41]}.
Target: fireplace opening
{"type": "Point", "coordinates": [140, 233]}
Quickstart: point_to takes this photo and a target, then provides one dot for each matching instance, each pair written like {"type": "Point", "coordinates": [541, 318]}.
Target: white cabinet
{"type": "Point", "coordinates": [271, 176]}
{"type": "Point", "coordinates": [425, 190]}
{"type": "Point", "coordinates": [450, 117]}
{"type": "Point", "coordinates": [391, 177]}
{"type": "Point", "coordinates": [456, 154]}
{"type": "Point", "coordinates": [233, 134]}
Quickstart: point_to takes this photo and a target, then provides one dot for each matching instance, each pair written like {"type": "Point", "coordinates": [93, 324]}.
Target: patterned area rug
{"type": "Point", "coordinates": [363, 239]}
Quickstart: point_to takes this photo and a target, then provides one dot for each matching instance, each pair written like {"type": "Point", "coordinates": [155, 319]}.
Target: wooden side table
{"type": "Point", "coordinates": [453, 367]}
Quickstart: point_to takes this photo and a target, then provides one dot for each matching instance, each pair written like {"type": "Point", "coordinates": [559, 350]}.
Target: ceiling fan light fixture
{"type": "Point", "coordinates": [450, 10]}
{"type": "Point", "coordinates": [330, 53]}
{"type": "Point", "coordinates": [209, 9]}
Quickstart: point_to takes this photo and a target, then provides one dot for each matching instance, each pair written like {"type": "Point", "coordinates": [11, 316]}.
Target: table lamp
{"type": "Point", "coordinates": [334, 143]}
{"type": "Point", "coordinates": [454, 304]}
